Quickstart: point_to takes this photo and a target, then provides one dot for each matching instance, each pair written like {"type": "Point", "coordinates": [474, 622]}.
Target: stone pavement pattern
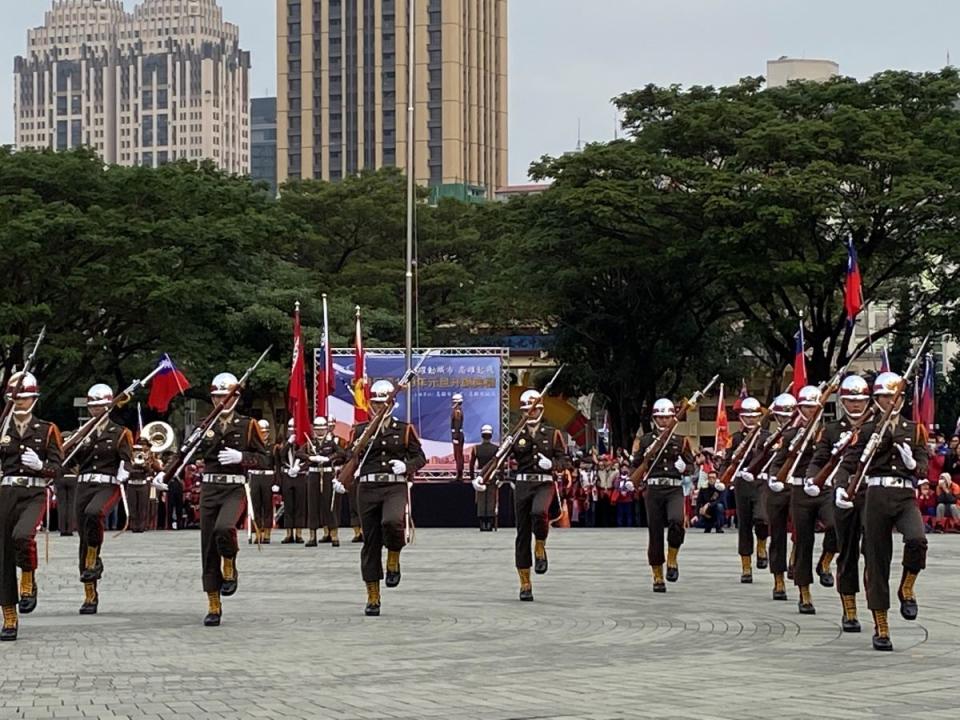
{"type": "Point", "coordinates": [454, 642]}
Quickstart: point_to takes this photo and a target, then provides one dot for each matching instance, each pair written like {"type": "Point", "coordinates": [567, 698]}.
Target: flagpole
{"type": "Point", "coordinates": [411, 180]}
{"type": "Point", "coordinates": [326, 361]}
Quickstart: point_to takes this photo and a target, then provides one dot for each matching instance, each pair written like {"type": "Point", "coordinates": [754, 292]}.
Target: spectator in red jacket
{"type": "Point", "coordinates": [927, 502]}
{"type": "Point", "coordinates": [948, 493]}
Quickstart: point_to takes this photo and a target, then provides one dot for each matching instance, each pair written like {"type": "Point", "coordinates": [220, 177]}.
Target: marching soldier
{"type": "Point", "coordinates": [897, 467]}
{"type": "Point", "coordinates": [663, 497]}
{"type": "Point", "coordinates": [538, 451]}
{"type": "Point", "coordinates": [777, 501]}
{"type": "Point", "coordinates": [102, 461]}
{"type": "Point", "coordinates": [486, 501]}
{"type": "Point", "coordinates": [314, 502]}
{"type": "Point", "coordinates": [261, 482]}
{"type": "Point", "coordinates": [751, 513]}
{"type": "Point", "coordinates": [232, 446]}
{"type": "Point", "coordinates": [391, 459]}
{"type": "Point", "coordinates": [30, 456]}
{"type": "Point", "coordinates": [854, 396]}
{"type": "Point", "coordinates": [456, 433]}
{"type": "Point", "coordinates": [329, 454]}
{"type": "Point", "coordinates": [141, 470]}
{"type": "Point", "coordinates": [293, 486]}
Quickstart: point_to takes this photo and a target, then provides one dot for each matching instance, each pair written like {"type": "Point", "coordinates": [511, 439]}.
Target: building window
{"type": "Point", "coordinates": [61, 134]}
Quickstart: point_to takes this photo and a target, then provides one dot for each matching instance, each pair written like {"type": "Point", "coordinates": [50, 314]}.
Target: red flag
{"type": "Point", "coordinates": [799, 365]}
{"type": "Point", "coordinates": [884, 361]}
{"type": "Point", "coordinates": [744, 394]}
{"type": "Point", "coordinates": [361, 393]}
{"type": "Point", "coordinates": [721, 440]}
{"type": "Point", "coordinates": [852, 288]}
{"type": "Point", "coordinates": [298, 404]}
{"type": "Point", "coordinates": [166, 385]}
{"type": "Point", "coordinates": [326, 378]}
{"type": "Point", "coordinates": [926, 395]}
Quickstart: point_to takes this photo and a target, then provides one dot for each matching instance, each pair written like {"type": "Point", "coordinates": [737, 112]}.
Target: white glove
{"type": "Point", "coordinates": [680, 464]}
{"type": "Point", "coordinates": [398, 467]}
{"type": "Point", "coordinates": [841, 441]}
{"type": "Point", "coordinates": [744, 475]}
{"type": "Point", "coordinates": [294, 468]}
{"type": "Point", "coordinates": [229, 456]}
{"type": "Point", "coordinates": [319, 459]}
{"type": "Point", "coordinates": [122, 473]}
{"type": "Point", "coordinates": [275, 488]}
{"type": "Point", "coordinates": [774, 484]}
{"type": "Point", "coordinates": [842, 499]}
{"type": "Point", "coordinates": [629, 486]}
{"type": "Point", "coordinates": [810, 488]}
{"type": "Point", "coordinates": [478, 485]}
{"type": "Point", "coordinates": [906, 454]}
{"type": "Point", "coordinates": [544, 463]}
{"type": "Point", "coordinates": [158, 482]}
{"type": "Point", "coordinates": [30, 459]}
{"type": "Point", "coordinates": [338, 487]}
{"type": "Point", "coordinates": [719, 486]}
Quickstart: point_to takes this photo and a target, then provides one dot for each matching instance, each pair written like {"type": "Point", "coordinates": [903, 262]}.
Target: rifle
{"type": "Point", "coordinates": [493, 467]}
{"type": "Point", "coordinates": [362, 445]}
{"type": "Point", "coordinates": [7, 415]}
{"type": "Point", "coordinates": [836, 453]}
{"type": "Point", "coordinates": [887, 421]}
{"type": "Point", "coordinates": [72, 445]}
{"type": "Point", "coordinates": [740, 454]}
{"type": "Point", "coordinates": [653, 453]}
{"type": "Point", "coordinates": [192, 443]}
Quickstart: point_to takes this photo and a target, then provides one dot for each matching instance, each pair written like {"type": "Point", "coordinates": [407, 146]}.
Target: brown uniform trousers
{"type": "Point", "coordinates": [20, 512]}
{"type": "Point", "coordinates": [751, 514]}
{"type": "Point", "coordinates": [532, 502]}
{"type": "Point", "coordinates": [221, 507]}
{"type": "Point", "coordinates": [94, 502]}
{"type": "Point", "coordinates": [138, 500]}
{"type": "Point", "coordinates": [664, 505]}
{"type": "Point", "coordinates": [849, 529]}
{"type": "Point", "coordinates": [778, 517]}
{"type": "Point", "coordinates": [261, 492]}
{"type": "Point", "coordinates": [885, 509]}
{"type": "Point", "coordinates": [382, 509]}
{"type": "Point", "coordinates": [805, 511]}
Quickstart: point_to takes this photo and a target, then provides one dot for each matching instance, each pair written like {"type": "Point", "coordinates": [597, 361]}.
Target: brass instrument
{"type": "Point", "coordinates": [160, 437]}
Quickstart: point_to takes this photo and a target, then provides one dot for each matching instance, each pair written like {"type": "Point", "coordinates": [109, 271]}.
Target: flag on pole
{"type": "Point", "coordinates": [744, 394]}
{"type": "Point", "coordinates": [166, 385]}
{"type": "Point", "coordinates": [721, 439]}
{"type": "Point", "coordinates": [884, 361]}
{"type": "Point", "coordinates": [326, 378]}
{"type": "Point", "coordinates": [799, 365]}
{"type": "Point", "coordinates": [926, 394]}
{"type": "Point", "coordinates": [852, 287]}
{"type": "Point", "coordinates": [298, 404]}
{"type": "Point", "coordinates": [361, 392]}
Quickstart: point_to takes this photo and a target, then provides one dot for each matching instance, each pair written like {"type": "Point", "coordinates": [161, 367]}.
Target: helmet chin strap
{"type": "Point", "coordinates": [26, 412]}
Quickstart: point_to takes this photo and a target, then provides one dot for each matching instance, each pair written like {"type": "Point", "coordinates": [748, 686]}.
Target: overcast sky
{"type": "Point", "coordinates": [569, 57]}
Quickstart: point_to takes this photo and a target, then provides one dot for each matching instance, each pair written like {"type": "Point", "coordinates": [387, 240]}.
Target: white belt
{"type": "Point", "coordinates": [23, 481]}
{"type": "Point", "coordinates": [136, 482]}
{"type": "Point", "coordinates": [224, 479]}
{"type": "Point", "coordinates": [320, 468]}
{"type": "Point", "coordinates": [260, 472]}
{"type": "Point", "coordinates": [534, 477]}
{"type": "Point", "coordinates": [796, 481]}
{"type": "Point", "coordinates": [98, 478]}
{"type": "Point", "coordinates": [665, 481]}
{"type": "Point", "coordinates": [382, 477]}
{"type": "Point", "coordinates": [890, 482]}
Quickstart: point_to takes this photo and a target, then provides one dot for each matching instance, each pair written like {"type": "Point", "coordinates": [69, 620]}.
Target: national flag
{"type": "Point", "coordinates": [166, 385]}
{"type": "Point", "coordinates": [721, 439]}
{"type": "Point", "coordinates": [884, 361]}
{"type": "Point", "coordinates": [326, 378]}
{"type": "Point", "coordinates": [361, 392]}
{"type": "Point", "coordinates": [744, 394]}
{"type": "Point", "coordinates": [926, 394]}
{"type": "Point", "coordinates": [799, 365]}
{"type": "Point", "coordinates": [852, 287]}
{"type": "Point", "coordinates": [298, 403]}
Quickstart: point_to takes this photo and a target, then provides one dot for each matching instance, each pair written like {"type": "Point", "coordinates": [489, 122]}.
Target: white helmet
{"type": "Point", "coordinates": [750, 407]}
{"type": "Point", "coordinates": [319, 423]}
{"type": "Point", "coordinates": [331, 420]}
{"type": "Point", "coordinates": [29, 389]}
{"type": "Point", "coordinates": [809, 396]}
{"type": "Point", "coordinates": [486, 430]}
{"type": "Point", "coordinates": [380, 391]}
{"type": "Point", "coordinates": [854, 387]}
{"type": "Point", "coordinates": [784, 405]}
{"type": "Point", "coordinates": [291, 425]}
{"type": "Point", "coordinates": [664, 408]}
{"type": "Point", "coordinates": [886, 383]}
{"type": "Point", "coordinates": [457, 398]}
{"type": "Point", "coordinates": [223, 384]}
{"type": "Point", "coordinates": [99, 395]}
{"type": "Point", "coordinates": [264, 425]}
{"type": "Point", "coordinates": [529, 399]}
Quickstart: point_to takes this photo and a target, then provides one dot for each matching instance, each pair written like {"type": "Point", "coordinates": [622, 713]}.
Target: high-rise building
{"type": "Point", "coordinates": [165, 82]}
{"type": "Point", "coordinates": [263, 141]}
{"type": "Point", "coordinates": [784, 69]}
{"type": "Point", "coordinates": [342, 90]}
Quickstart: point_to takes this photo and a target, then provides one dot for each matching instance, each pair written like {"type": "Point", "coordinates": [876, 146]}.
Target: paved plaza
{"type": "Point", "coordinates": [454, 642]}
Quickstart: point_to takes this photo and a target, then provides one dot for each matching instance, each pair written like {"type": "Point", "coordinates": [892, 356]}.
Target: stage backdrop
{"type": "Point", "coordinates": [479, 374]}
